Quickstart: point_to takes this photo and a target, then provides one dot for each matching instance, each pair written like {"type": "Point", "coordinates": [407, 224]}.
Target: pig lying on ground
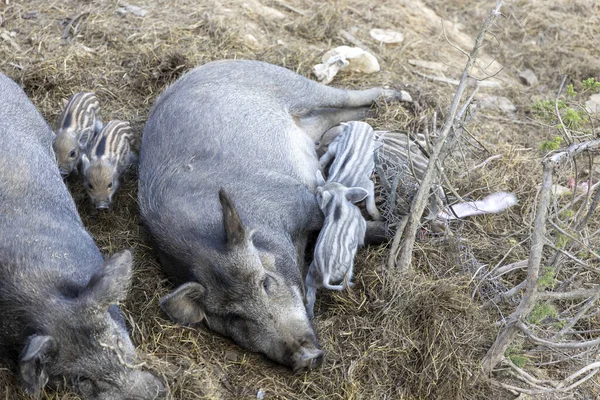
{"type": "Point", "coordinates": [227, 179]}
{"type": "Point", "coordinates": [58, 318]}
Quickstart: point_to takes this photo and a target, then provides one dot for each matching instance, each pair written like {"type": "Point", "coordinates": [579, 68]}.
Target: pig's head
{"type": "Point", "coordinates": [83, 342]}
{"type": "Point", "coordinates": [101, 181]}
{"type": "Point", "coordinates": [69, 146]}
{"type": "Point", "coordinates": [245, 298]}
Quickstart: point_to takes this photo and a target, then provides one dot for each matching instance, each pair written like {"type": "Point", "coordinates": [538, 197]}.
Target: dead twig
{"type": "Point", "coordinates": [420, 200]}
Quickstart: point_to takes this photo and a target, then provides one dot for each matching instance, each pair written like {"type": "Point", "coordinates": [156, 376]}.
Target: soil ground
{"type": "Point", "coordinates": [390, 336]}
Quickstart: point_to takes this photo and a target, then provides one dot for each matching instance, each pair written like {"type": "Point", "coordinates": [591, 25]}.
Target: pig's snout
{"type": "Point", "coordinates": [102, 205]}
{"type": "Point", "coordinates": [308, 358]}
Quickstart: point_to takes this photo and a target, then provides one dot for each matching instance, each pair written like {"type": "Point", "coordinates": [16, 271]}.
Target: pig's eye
{"type": "Point", "coordinates": [72, 154]}
{"type": "Point", "coordinates": [268, 284]}
{"type": "Point", "coordinates": [110, 185]}
{"type": "Point", "coordinates": [86, 386]}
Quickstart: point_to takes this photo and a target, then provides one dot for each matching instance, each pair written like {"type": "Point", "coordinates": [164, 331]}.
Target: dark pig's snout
{"type": "Point", "coordinates": [307, 358]}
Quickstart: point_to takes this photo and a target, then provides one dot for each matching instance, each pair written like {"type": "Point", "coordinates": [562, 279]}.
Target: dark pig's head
{"type": "Point", "coordinates": [84, 343]}
{"type": "Point", "coordinates": [245, 298]}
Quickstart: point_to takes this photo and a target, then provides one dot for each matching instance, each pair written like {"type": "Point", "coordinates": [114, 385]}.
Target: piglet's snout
{"type": "Point", "coordinates": [102, 205]}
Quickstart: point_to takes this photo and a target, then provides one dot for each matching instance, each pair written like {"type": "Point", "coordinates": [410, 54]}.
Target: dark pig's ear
{"type": "Point", "coordinates": [111, 283]}
{"type": "Point", "coordinates": [38, 353]}
{"type": "Point", "coordinates": [235, 230]}
{"type": "Point", "coordinates": [185, 305]}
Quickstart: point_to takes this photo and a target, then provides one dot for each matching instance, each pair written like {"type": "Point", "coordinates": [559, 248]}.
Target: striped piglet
{"type": "Point", "coordinates": [353, 163]}
{"type": "Point", "coordinates": [77, 124]}
{"type": "Point", "coordinates": [342, 234]}
{"type": "Point", "coordinates": [109, 155]}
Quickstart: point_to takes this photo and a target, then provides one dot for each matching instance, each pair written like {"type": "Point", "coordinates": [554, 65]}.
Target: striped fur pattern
{"type": "Point", "coordinates": [78, 123]}
{"type": "Point", "coordinates": [353, 163]}
{"type": "Point", "coordinates": [342, 234]}
{"type": "Point", "coordinates": [110, 154]}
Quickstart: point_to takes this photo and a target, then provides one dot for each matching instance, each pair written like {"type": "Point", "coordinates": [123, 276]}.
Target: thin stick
{"type": "Point", "coordinates": [591, 301]}
{"type": "Point", "coordinates": [507, 335]}
{"type": "Point", "coordinates": [420, 200]}
{"type": "Point", "coordinates": [562, 125]}
{"type": "Point", "coordinates": [487, 161]}
{"type": "Point", "coordinates": [556, 345]}
{"type": "Point", "coordinates": [572, 295]}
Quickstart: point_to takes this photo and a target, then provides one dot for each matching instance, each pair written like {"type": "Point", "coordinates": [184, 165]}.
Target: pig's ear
{"type": "Point", "coordinates": [320, 179]}
{"type": "Point", "coordinates": [356, 194]}
{"type": "Point", "coordinates": [111, 282]}
{"type": "Point", "coordinates": [237, 234]}
{"type": "Point", "coordinates": [323, 198]}
{"type": "Point", "coordinates": [184, 305]}
{"type": "Point", "coordinates": [85, 138]}
{"type": "Point", "coordinates": [39, 351]}
{"type": "Point", "coordinates": [85, 162]}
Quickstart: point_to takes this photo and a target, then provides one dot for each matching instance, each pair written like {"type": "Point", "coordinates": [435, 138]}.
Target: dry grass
{"type": "Point", "coordinates": [406, 337]}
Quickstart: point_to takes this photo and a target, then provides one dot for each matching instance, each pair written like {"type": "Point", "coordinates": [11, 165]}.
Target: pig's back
{"type": "Point", "coordinates": [40, 224]}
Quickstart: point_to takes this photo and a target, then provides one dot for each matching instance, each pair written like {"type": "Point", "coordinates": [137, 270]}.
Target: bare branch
{"type": "Point", "coordinates": [591, 301]}
{"type": "Point", "coordinates": [456, 82]}
{"type": "Point", "coordinates": [556, 345]}
{"type": "Point", "coordinates": [562, 125]}
{"type": "Point", "coordinates": [487, 161]}
{"type": "Point", "coordinates": [510, 267]}
{"type": "Point", "coordinates": [572, 295]}
{"type": "Point", "coordinates": [420, 200]}
{"type": "Point", "coordinates": [506, 335]}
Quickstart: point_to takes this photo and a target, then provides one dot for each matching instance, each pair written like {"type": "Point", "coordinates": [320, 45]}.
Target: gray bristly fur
{"type": "Point", "coordinates": [353, 163]}
{"type": "Point", "coordinates": [342, 234]}
{"type": "Point", "coordinates": [58, 316]}
{"type": "Point", "coordinates": [227, 179]}
{"type": "Point", "coordinates": [109, 155]}
{"type": "Point", "coordinates": [77, 125]}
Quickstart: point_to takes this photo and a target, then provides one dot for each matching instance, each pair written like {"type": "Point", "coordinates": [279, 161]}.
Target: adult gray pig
{"type": "Point", "coordinates": [227, 169]}
{"type": "Point", "coordinates": [58, 321]}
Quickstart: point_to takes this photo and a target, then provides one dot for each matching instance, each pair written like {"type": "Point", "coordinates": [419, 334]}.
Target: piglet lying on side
{"type": "Point", "coordinates": [353, 163]}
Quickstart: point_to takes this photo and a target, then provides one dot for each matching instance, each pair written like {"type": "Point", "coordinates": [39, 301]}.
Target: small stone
{"type": "Point", "coordinates": [251, 41]}
{"type": "Point", "coordinates": [528, 77]}
{"type": "Point", "coordinates": [128, 8]}
{"type": "Point", "coordinates": [386, 36]}
{"type": "Point", "coordinates": [231, 356]}
{"type": "Point", "coordinates": [498, 103]}
{"type": "Point", "coordinates": [31, 15]}
{"type": "Point", "coordinates": [593, 104]}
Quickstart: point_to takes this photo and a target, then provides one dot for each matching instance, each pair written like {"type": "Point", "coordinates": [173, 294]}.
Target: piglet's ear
{"type": "Point", "coordinates": [320, 179]}
{"type": "Point", "coordinates": [38, 353]}
{"type": "Point", "coordinates": [184, 305]}
{"type": "Point", "coordinates": [323, 198]}
{"type": "Point", "coordinates": [85, 137]}
{"type": "Point", "coordinates": [356, 194]}
{"type": "Point", "coordinates": [85, 162]}
{"type": "Point", "coordinates": [111, 282]}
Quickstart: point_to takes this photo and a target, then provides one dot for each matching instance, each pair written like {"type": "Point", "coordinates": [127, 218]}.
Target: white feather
{"type": "Point", "coordinates": [492, 204]}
